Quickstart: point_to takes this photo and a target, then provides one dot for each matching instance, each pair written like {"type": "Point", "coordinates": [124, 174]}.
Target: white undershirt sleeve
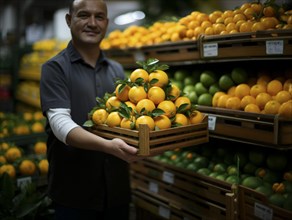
{"type": "Point", "coordinates": [61, 122]}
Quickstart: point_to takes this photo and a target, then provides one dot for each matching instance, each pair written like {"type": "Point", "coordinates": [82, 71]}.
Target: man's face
{"type": "Point", "coordinates": [88, 21]}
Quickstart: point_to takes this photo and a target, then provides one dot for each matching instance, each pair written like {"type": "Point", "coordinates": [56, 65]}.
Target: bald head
{"type": "Point", "coordinates": [74, 3]}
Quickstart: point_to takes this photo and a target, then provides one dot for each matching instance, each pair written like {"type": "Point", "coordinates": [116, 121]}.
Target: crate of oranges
{"type": "Point", "coordinates": [149, 112]}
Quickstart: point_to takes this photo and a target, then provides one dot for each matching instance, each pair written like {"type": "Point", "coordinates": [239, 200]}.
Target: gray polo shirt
{"type": "Point", "coordinates": [81, 178]}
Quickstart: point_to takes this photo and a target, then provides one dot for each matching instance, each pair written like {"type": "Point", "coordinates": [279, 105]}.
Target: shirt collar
{"type": "Point", "coordinates": [75, 55]}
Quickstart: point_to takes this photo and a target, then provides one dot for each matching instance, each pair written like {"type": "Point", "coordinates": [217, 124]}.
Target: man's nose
{"type": "Point", "coordinates": [92, 21]}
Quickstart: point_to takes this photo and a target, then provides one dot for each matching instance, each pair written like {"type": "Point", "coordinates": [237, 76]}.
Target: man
{"type": "Point", "coordinates": [88, 176]}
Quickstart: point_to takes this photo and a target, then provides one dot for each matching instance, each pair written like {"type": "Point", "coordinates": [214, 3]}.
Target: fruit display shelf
{"type": "Point", "coordinates": [261, 129]}
{"type": "Point", "coordinates": [24, 139]}
{"type": "Point", "coordinates": [173, 188]}
{"type": "Point", "coordinates": [254, 205]}
{"type": "Point", "coordinates": [151, 143]}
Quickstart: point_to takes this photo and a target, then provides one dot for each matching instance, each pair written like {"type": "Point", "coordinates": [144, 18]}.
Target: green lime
{"type": "Point", "coordinates": [180, 75]}
{"type": "Point", "coordinates": [214, 88]}
{"type": "Point", "coordinates": [208, 78]}
{"type": "Point", "coordinates": [225, 82]}
{"type": "Point", "coordinates": [205, 99]}
{"type": "Point", "coordinates": [200, 88]}
{"type": "Point", "coordinates": [239, 75]}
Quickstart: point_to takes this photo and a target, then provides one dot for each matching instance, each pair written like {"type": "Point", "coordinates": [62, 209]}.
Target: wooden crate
{"type": "Point", "coordinates": [173, 52]}
{"type": "Point", "coordinates": [197, 194]}
{"type": "Point", "coordinates": [255, 206]}
{"type": "Point", "coordinates": [272, 43]}
{"type": "Point", "coordinates": [155, 142]}
{"type": "Point", "coordinates": [250, 127]}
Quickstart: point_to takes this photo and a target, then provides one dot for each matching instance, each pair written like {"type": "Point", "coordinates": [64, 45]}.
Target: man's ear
{"type": "Point", "coordinates": [68, 19]}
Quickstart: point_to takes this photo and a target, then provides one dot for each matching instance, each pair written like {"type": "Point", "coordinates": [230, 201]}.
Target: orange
{"type": "Point", "coordinates": [162, 122]}
{"type": "Point", "coordinates": [269, 11]}
{"type": "Point", "coordinates": [122, 95]}
{"type": "Point", "coordinates": [128, 123]}
{"type": "Point", "coordinates": [2, 159]}
{"type": "Point", "coordinates": [8, 168]}
{"type": "Point", "coordinates": [27, 116]}
{"type": "Point", "coordinates": [145, 119]}
{"type": "Point", "coordinates": [156, 94]}
{"type": "Point", "coordinates": [27, 167]}
{"type": "Point", "coordinates": [233, 103]}
{"type": "Point", "coordinates": [139, 73]}
{"type": "Point", "coordinates": [249, 13]}
{"type": "Point", "coordinates": [43, 166]}
{"type": "Point", "coordinates": [222, 101]}
{"type": "Point", "coordinates": [137, 93]}
{"type": "Point", "coordinates": [264, 79]}
{"type": "Point", "coordinates": [4, 146]}
{"type": "Point", "coordinates": [37, 127]}
{"type": "Point", "coordinates": [168, 107]}
{"type": "Point", "coordinates": [242, 90]}
{"type": "Point", "coordinates": [285, 110]}
{"type": "Point", "coordinates": [145, 106]}
{"type": "Point", "coordinates": [253, 108]}
{"type": "Point", "coordinates": [257, 26]}
{"type": "Point", "coordinates": [257, 89]}
{"type": "Point", "coordinates": [272, 107]}
{"type": "Point", "coordinates": [174, 92]}
{"type": "Point", "coordinates": [247, 100]}
{"type": "Point", "coordinates": [38, 115]}
{"type": "Point", "coordinates": [158, 78]}
{"type": "Point", "coordinates": [283, 96]}
{"type": "Point", "coordinates": [262, 99]}
{"type": "Point", "coordinates": [181, 120]}
{"type": "Point", "coordinates": [113, 119]}
{"type": "Point", "coordinates": [269, 22]}
{"type": "Point", "coordinates": [99, 116]}
{"type": "Point", "coordinates": [183, 100]}
{"type": "Point", "coordinates": [257, 7]}
{"type": "Point", "coordinates": [215, 98]}
{"type": "Point", "coordinates": [13, 153]}
{"type": "Point", "coordinates": [196, 117]}
{"type": "Point", "coordinates": [274, 87]}
{"type": "Point", "coordinates": [132, 106]}
{"type": "Point", "coordinates": [231, 91]}
{"type": "Point", "coordinates": [112, 103]}
{"type": "Point", "coordinates": [245, 26]}
{"type": "Point", "coordinates": [40, 147]}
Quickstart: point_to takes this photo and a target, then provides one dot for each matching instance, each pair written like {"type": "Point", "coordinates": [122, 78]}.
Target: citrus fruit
{"type": "Point", "coordinates": [156, 94]}
{"type": "Point", "coordinates": [137, 93]}
{"type": "Point", "coordinates": [180, 75]}
{"type": "Point", "coordinates": [239, 75]}
{"type": "Point", "coordinates": [283, 96]}
{"type": "Point", "coordinates": [200, 88]}
{"type": "Point", "coordinates": [183, 100]}
{"type": "Point", "coordinates": [216, 97]}
{"type": "Point", "coordinates": [128, 123]}
{"type": "Point", "coordinates": [174, 92]}
{"type": "Point", "coordinates": [233, 103]}
{"type": "Point", "coordinates": [205, 99]}
{"type": "Point", "coordinates": [180, 119]}
{"type": "Point", "coordinates": [193, 97]}
{"type": "Point", "coordinates": [247, 100]}
{"type": "Point", "coordinates": [160, 77]}
{"type": "Point", "coordinates": [37, 127]}
{"type": "Point", "coordinates": [12, 154]}
{"type": "Point", "coordinates": [273, 87]}
{"type": "Point", "coordinates": [214, 88]}
{"type": "Point", "coordinates": [257, 89]}
{"type": "Point", "coordinates": [132, 106]}
{"type": "Point", "coordinates": [225, 82]}
{"type": "Point", "coordinates": [221, 103]}
{"type": "Point", "coordinates": [139, 73]}
{"type": "Point", "coordinates": [162, 122]}
{"type": "Point", "coordinates": [168, 107]}
{"type": "Point", "coordinates": [287, 86]}
{"type": "Point", "coordinates": [122, 92]}
{"type": "Point", "coordinates": [196, 117]}
{"type": "Point", "coordinates": [43, 166]}
{"type": "Point", "coordinates": [99, 116]}
{"type": "Point", "coordinates": [262, 99]}
{"type": "Point", "coordinates": [253, 108]}
{"type": "Point", "coordinates": [242, 90]}
{"type": "Point", "coordinates": [207, 78]}
{"type": "Point", "coordinates": [145, 119]}
{"type": "Point", "coordinates": [189, 80]}
{"type": "Point", "coordinates": [27, 167]}
{"type": "Point", "coordinates": [112, 103]}
{"type": "Point", "coordinates": [113, 119]}
{"type": "Point", "coordinates": [285, 110]}
{"type": "Point", "coordinates": [272, 107]}
{"type": "Point", "coordinates": [40, 147]}
{"type": "Point", "coordinates": [2, 159]}
{"type": "Point", "coordinates": [9, 169]}
{"type": "Point", "coordinates": [145, 106]}
{"type": "Point", "coordinates": [264, 79]}
{"type": "Point", "coordinates": [252, 182]}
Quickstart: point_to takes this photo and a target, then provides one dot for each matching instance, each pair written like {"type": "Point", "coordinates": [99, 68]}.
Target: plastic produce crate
{"type": "Point", "coordinates": [152, 143]}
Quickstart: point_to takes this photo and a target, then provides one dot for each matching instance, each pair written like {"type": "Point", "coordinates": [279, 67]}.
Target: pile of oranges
{"type": "Point", "coordinates": [266, 95]}
{"type": "Point", "coordinates": [146, 97]}
{"type": "Point", "coordinates": [249, 17]}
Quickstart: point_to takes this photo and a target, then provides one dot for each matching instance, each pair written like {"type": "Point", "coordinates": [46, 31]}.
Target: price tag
{"type": "Point", "coordinates": [210, 50]}
{"type": "Point", "coordinates": [139, 56]}
{"type": "Point", "coordinates": [164, 212]}
{"type": "Point", "coordinates": [22, 182]}
{"type": "Point", "coordinates": [274, 47]}
{"type": "Point", "coordinates": [211, 122]}
{"type": "Point", "coordinates": [153, 187]}
{"type": "Point", "coordinates": [168, 177]}
{"type": "Point", "coordinates": [263, 212]}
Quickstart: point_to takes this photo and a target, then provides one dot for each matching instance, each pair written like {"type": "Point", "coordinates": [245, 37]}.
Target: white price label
{"type": "Point", "coordinates": [22, 182]}
{"type": "Point", "coordinates": [153, 187]}
{"type": "Point", "coordinates": [274, 47]}
{"type": "Point", "coordinates": [139, 56]}
{"type": "Point", "coordinates": [164, 212]}
{"type": "Point", "coordinates": [263, 212]}
{"type": "Point", "coordinates": [211, 122]}
{"type": "Point", "coordinates": [210, 50]}
{"type": "Point", "coordinates": [168, 177]}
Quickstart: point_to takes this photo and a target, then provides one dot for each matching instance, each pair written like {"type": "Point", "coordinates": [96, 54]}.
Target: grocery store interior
{"type": "Point", "coordinates": [225, 150]}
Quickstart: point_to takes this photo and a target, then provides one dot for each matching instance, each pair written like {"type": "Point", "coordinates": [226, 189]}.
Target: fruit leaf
{"type": "Point", "coordinates": [124, 111]}
{"type": "Point", "coordinates": [182, 108]}
{"type": "Point", "coordinates": [153, 81]}
{"type": "Point", "coordinates": [88, 124]}
{"type": "Point", "coordinates": [157, 112]}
